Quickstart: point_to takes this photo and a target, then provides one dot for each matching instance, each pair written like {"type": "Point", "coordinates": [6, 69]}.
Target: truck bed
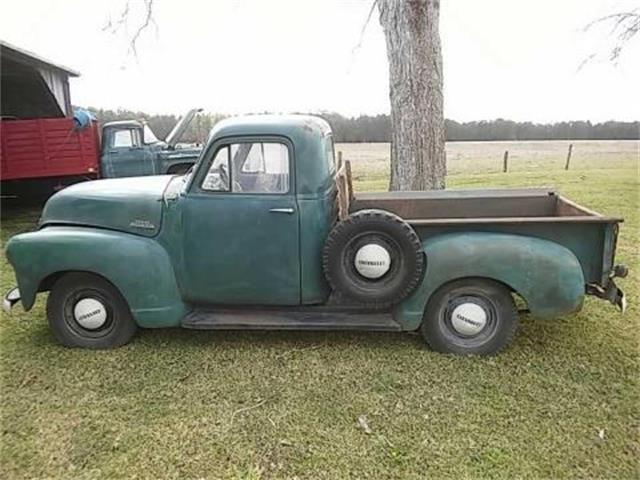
{"type": "Point", "coordinates": [446, 207]}
{"type": "Point", "coordinates": [47, 147]}
{"type": "Point", "coordinates": [538, 212]}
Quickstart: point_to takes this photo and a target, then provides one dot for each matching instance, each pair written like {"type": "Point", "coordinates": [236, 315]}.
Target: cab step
{"type": "Point", "coordinates": [307, 319]}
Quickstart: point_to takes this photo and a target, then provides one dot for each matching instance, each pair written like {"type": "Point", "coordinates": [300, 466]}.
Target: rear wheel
{"type": "Point", "coordinates": [85, 310]}
{"type": "Point", "coordinates": [470, 316]}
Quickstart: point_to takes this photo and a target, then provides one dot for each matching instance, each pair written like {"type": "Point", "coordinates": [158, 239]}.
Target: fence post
{"type": "Point", "coordinates": [339, 158]}
{"type": "Point", "coordinates": [505, 161]}
{"type": "Point", "coordinates": [566, 165]}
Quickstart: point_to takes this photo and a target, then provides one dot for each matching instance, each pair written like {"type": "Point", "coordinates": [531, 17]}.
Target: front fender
{"type": "Point", "coordinates": [139, 267]}
{"type": "Point", "coordinates": [545, 274]}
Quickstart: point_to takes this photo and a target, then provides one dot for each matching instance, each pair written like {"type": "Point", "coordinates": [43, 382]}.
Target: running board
{"type": "Point", "coordinates": [288, 320]}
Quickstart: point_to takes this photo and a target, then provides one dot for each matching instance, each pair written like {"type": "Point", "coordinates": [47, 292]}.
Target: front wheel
{"type": "Point", "coordinates": [84, 310]}
{"type": "Point", "coordinates": [470, 317]}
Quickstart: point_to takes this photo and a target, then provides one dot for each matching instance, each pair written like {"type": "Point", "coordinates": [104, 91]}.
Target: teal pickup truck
{"type": "Point", "coordinates": [130, 149]}
{"type": "Point", "coordinates": [266, 233]}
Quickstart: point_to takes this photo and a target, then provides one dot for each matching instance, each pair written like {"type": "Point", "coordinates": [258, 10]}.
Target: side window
{"type": "Point", "coordinates": [125, 138]}
{"type": "Point", "coordinates": [217, 178]}
{"type": "Point", "coordinates": [260, 167]}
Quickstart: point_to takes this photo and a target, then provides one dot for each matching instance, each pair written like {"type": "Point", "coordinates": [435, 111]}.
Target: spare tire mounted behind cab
{"type": "Point", "coordinates": [373, 257]}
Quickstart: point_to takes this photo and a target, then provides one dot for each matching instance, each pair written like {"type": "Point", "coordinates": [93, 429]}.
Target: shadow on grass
{"type": "Point", "coordinates": [284, 339]}
{"type": "Point", "coordinates": [187, 339]}
{"type": "Point", "coordinates": [535, 337]}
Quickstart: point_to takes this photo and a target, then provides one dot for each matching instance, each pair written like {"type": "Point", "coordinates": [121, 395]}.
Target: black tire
{"type": "Point", "coordinates": [496, 331]}
{"type": "Point", "coordinates": [383, 229]}
{"type": "Point", "coordinates": [118, 326]}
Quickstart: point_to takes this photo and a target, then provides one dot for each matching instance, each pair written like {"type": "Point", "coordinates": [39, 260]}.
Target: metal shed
{"type": "Point", "coordinates": [41, 146]}
{"type": "Point", "coordinates": [31, 86]}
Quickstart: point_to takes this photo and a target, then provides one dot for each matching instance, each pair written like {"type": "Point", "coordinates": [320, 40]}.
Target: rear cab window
{"type": "Point", "coordinates": [330, 153]}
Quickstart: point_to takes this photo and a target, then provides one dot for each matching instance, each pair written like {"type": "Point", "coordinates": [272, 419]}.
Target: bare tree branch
{"type": "Point", "coordinates": [123, 20]}
{"type": "Point", "coordinates": [358, 45]}
{"type": "Point", "coordinates": [147, 21]}
{"type": "Point", "coordinates": [624, 26]}
{"type": "Point", "coordinates": [110, 27]}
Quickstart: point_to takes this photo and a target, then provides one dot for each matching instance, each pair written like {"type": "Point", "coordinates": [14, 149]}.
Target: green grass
{"type": "Point", "coordinates": [184, 404]}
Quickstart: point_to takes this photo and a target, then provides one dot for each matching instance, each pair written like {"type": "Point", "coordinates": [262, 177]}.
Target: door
{"type": "Point", "coordinates": [124, 154]}
{"type": "Point", "coordinates": [240, 226]}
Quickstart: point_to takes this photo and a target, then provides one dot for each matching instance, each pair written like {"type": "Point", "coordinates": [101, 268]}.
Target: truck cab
{"type": "Point", "coordinates": [130, 148]}
{"type": "Point", "coordinates": [276, 174]}
{"type": "Point", "coordinates": [266, 233]}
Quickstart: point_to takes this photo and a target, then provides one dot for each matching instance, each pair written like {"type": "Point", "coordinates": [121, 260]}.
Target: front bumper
{"type": "Point", "coordinates": [10, 299]}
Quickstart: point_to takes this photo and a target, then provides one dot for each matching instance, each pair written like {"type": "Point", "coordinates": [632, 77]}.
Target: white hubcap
{"type": "Point", "coordinates": [90, 313]}
{"type": "Point", "coordinates": [372, 261]}
{"type": "Point", "coordinates": [468, 319]}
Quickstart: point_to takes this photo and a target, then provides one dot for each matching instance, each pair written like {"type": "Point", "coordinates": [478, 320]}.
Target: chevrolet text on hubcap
{"type": "Point", "coordinates": [90, 313]}
{"type": "Point", "coordinates": [468, 319]}
{"type": "Point", "coordinates": [372, 261]}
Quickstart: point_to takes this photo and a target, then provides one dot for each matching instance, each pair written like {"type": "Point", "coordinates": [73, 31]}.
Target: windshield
{"type": "Point", "coordinates": [149, 137]}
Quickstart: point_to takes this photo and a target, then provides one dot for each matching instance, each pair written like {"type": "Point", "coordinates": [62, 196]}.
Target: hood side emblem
{"type": "Point", "coordinates": [144, 224]}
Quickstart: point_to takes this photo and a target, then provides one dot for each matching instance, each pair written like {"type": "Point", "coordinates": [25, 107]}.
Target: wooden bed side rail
{"type": "Point", "coordinates": [344, 186]}
{"type": "Point", "coordinates": [566, 207]}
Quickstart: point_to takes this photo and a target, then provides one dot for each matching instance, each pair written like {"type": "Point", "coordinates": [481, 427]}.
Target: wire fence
{"type": "Point", "coordinates": [499, 157]}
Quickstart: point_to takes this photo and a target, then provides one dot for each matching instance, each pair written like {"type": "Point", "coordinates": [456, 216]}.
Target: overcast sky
{"type": "Point", "coordinates": [503, 58]}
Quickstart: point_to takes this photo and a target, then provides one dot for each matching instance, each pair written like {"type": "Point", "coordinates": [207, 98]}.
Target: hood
{"type": "Point", "coordinates": [178, 155]}
{"type": "Point", "coordinates": [132, 204]}
{"type": "Point", "coordinates": [174, 136]}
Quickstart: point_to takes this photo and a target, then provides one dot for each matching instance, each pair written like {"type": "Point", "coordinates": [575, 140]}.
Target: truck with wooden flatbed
{"type": "Point", "coordinates": [266, 233]}
{"type": "Point", "coordinates": [42, 155]}
{"type": "Point", "coordinates": [47, 144]}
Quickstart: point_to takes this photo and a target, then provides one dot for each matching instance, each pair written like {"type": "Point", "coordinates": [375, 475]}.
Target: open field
{"type": "Point", "coordinates": [562, 402]}
{"type": "Point", "coordinates": [371, 160]}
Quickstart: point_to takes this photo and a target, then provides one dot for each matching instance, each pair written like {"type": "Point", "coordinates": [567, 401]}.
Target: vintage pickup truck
{"type": "Point", "coordinates": [130, 149]}
{"type": "Point", "coordinates": [265, 233]}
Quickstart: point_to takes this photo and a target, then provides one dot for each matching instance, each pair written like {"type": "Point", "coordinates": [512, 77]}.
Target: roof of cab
{"type": "Point", "coordinates": [286, 125]}
{"type": "Point", "coordinates": [124, 123]}
{"type": "Point", "coordinates": [308, 134]}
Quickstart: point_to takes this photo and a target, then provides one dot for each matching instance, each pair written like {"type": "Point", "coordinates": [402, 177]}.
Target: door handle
{"type": "Point", "coordinates": [282, 210]}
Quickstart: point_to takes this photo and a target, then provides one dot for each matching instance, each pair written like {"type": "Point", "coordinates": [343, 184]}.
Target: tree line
{"type": "Point", "coordinates": [377, 128]}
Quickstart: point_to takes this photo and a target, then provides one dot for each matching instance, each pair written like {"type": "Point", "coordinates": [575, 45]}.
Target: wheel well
{"type": "Point", "coordinates": [179, 167]}
{"type": "Point", "coordinates": [494, 280]}
{"type": "Point", "coordinates": [49, 281]}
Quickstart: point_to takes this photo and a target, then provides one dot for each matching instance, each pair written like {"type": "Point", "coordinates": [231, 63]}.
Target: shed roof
{"type": "Point", "coordinates": [24, 56]}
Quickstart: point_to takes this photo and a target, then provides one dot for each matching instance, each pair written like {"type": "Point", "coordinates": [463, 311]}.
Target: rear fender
{"type": "Point", "coordinates": [545, 274]}
{"type": "Point", "coordinates": [139, 267]}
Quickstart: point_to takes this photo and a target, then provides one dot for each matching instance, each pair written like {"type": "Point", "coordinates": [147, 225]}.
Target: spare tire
{"type": "Point", "coordinates": [373, 257]}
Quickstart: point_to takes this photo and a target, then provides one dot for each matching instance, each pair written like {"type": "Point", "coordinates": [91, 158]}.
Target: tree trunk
{"type": "Point", "coordinates": [415, 89]}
